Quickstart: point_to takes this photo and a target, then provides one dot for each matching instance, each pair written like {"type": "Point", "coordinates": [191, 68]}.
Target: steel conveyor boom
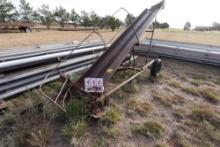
{"type": "Point", "coordinates": [108, 63]}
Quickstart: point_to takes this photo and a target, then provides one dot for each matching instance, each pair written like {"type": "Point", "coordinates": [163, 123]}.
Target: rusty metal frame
{"type": "Point", "coordinates": [112, 59]}
{"type": "Point", "coordinates": [144, 68]}
{"type": "Point", "coordinates": [108, 63]}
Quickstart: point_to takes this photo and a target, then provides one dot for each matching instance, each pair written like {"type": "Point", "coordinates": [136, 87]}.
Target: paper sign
{"type": "Point", "coordinates": [94, 85]}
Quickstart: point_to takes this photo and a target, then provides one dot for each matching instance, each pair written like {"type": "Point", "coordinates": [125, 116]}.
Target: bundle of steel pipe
{"type": "Point", "coordinates": [12, 83]}
{"type": "Point", "coordinates": [52, 57]}
{"type": "Point", "coordinates": [191, 52]}
{"type": "Point", "coordinates": [32, 51]}
{"type": "Point", "coordinates": [15, 82]}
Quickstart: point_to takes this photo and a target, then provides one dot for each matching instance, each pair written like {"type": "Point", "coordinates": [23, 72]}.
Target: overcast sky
{"type": "Point", "coordinates": [176, 12]}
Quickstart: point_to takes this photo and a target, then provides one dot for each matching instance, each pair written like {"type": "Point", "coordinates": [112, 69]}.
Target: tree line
{"type": "Point", "coordinates": [214, 27]}
{"type": "Point", "coordinates": [46, 16]}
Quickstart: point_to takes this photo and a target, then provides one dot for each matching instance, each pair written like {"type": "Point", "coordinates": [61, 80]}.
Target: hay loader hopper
{"type": "Point", "coordinates": [92, 83]}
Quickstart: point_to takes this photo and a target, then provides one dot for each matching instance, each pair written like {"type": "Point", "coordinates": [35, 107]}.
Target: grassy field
{"type": "Point", "coordinates": [10, 40]}
{"type": "Point", "coordinates": [180, 108]}
{"type": "Point", "coordinates": [207, 37]}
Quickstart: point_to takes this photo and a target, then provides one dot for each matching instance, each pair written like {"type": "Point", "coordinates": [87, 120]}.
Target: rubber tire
{"type": "Point", "coordinates": [156, 67]}
{"type": "Point", "coordinates": [28, 30]}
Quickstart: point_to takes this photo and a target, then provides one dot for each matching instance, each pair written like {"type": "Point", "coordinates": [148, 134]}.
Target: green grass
{"type": "Point", "coordinates": [75, 110]}
{"type": "Point", "coordinates": [150, 129]}
{"type": "Point", "coordinates": [75, 76]}
{"type": "Point", "coordinates": [111, 116]}
{"type": "Point", "coordinates": [55, 85]}
{"type": "Point", "coordinates": [75, 129]}
{"type": "Point", "coordinates": [110, 133]}
{"type": "Point", "coordinates": [210, 95]}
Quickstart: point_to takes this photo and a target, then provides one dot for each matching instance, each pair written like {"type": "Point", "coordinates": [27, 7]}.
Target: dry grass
{"type": "Point", "coordinates": [162, 100]}
{"type": "Point", "coordinates": [176, 99]}
{"type": "Point", "coordinates": [179, 113]}
{"type": "Point", "coordinates": [186, 125]}
{"type": "Point", "coordinates": [210, 94]}
{"type": "Point", "coordinates": [75, 130]}
{"type": "Point", "coordinates": [206, 114]}
{"type": "Point", "coordinates": [9, 40]}
{"type": "Point", "coordinates": [161, 145]}
{"type": "Point", "coordinates": [168, 100]}
{"type": "Point", "coordinates": [174, 83]}
{"type": "Point", "coordinates": [150, 129]}
{"type": "Point", "coordinates": [110, 133]}
{"type": "Point", "coordinates": [209, 37]}
{"type": "Point", "coordinates": [217, 81]}
{"type": "Point", "coordinates": [142, 108]}
{"type": "Point", "coordinates": [190, 90]}
{"type": "Point", "coordinates": [205, 126]}
{"type": "Point", "coordinates": [179, 140]}
{"type": "Point", "coordinates": [196, 82]}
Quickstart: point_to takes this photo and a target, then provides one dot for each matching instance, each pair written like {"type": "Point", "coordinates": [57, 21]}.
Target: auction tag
{"type": "Point", "coordinates": [94, 85]}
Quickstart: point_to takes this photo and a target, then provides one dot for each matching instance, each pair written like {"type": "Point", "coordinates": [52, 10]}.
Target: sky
{"type": "Point", "coordinates": [176, 12]}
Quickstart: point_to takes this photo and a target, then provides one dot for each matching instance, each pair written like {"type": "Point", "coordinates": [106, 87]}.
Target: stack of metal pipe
{"type": "Point", "coordinates": [26, 69]}
{"type": "Point", "coordinates": [205, 54]}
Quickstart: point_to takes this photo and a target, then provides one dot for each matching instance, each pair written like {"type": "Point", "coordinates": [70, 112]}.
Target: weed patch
{"type": "Point", "coordinates": [75, 131]}
{"type": "Point", "coordinates": [75, 110]}
{"type": "Point", "coordinates": [111, 133]}
{"type": "Point", "coordinates": [112, 116]}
